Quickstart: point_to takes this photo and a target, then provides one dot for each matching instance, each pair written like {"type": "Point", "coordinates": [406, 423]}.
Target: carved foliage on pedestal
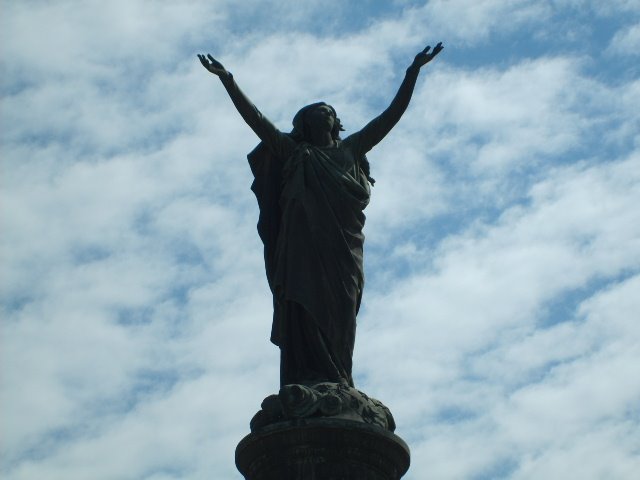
{"type": "Point", "coordinates": [328, 400]}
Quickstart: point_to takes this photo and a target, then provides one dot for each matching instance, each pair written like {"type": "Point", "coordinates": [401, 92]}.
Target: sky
{"type": "Point", "coordinates": [500, 316]}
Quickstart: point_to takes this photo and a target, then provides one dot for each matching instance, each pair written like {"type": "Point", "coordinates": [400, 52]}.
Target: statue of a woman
{"type": "Point", "coordinates": [312, 187]}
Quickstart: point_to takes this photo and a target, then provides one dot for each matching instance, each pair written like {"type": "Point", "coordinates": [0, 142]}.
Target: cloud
{"type": "Point", "coordinates": [467, 21]}
{"type": "Point", "coordinates": [477, 363]}
{"type": "Point", "coordinates": [626, 41]}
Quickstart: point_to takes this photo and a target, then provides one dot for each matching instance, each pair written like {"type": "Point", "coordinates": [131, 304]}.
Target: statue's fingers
{"type": "Point", "coordinates": [427, 48]}
{"type": "Point", "coordinates": [213, 60]}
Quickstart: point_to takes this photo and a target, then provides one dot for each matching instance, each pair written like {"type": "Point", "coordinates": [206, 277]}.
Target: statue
{"type": "Point", "coordinates": [312, 187]}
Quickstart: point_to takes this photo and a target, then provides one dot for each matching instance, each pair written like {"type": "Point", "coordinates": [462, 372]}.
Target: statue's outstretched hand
{"type": "Point", "coordinates": [212, 65]}
{"type": "Point", "coordinates": [425, 57]}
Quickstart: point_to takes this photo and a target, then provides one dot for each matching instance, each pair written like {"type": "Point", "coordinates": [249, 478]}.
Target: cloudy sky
{"type": "Point", "coordinates": [500, 318]}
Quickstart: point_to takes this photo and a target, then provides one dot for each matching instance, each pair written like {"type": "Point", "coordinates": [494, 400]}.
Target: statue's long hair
{"type": "Point", "coordinates": [300, 133]}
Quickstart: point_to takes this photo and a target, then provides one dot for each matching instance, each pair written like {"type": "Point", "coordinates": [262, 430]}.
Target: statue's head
{"type": "Point", "coordinates": [322, 115]}
{"type": "Point", "coordinates": [316, 116]}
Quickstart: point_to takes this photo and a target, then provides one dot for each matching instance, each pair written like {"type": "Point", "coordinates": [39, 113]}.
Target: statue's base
{"type": "Point", "coordinates": [322, 449]}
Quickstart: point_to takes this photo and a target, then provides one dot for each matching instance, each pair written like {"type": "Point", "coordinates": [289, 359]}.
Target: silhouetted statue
{"type": "Point", "coordinates": [312, 187]}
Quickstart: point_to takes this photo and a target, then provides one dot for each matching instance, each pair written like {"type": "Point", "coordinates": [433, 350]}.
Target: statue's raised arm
{"type": "Point", "coordinates": [380, 126]}
{"type": "Point", "coordinates": [266, 131]}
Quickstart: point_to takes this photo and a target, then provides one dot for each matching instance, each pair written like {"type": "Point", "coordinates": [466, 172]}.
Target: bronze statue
{"type": "Point", "coordinates": [312, 187]}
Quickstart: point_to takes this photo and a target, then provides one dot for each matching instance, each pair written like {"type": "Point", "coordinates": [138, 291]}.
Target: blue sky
{"type": "Point", "coordinates": [500, 317]}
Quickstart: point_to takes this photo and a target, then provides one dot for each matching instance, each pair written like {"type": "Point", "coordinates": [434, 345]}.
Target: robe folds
{"type": "Point", "coordinates": [311, 219]}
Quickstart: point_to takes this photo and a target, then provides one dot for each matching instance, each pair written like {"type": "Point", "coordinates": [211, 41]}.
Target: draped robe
{"type": "Point", "coordinates": [311, 224]}
{"type": "Point", "coordinates": [311, 202]}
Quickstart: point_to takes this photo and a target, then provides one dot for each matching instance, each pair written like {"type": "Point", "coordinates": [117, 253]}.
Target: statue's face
{"type": "Point", "coordinates": [320, 118]}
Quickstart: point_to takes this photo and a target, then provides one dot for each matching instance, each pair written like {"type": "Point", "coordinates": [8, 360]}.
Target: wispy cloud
{"type": "Point", "coordinates": [626, 41]}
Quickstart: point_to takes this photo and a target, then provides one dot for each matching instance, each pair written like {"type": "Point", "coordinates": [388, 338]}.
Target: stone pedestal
{"type": "Point", "coordinates": [322, 449]}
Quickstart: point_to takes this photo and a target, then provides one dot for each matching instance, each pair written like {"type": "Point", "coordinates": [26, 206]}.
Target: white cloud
{"type": "Point", "coordinates": [468, 21]}
{"type": "Point", "coordinates": [626, 41]}
{"type": "Point", "coordinates": [467, 360]}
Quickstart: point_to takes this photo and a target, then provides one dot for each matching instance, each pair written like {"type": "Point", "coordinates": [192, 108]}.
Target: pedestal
{"type": "Point", "coordinates": [322, 449]}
